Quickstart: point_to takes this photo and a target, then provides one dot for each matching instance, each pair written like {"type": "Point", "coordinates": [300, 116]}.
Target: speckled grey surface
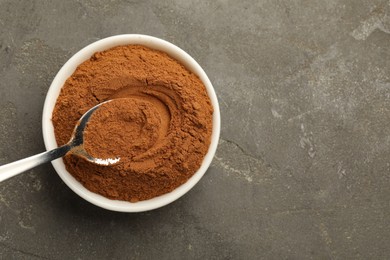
{"type": "Point", "coordinates": [303, 166]}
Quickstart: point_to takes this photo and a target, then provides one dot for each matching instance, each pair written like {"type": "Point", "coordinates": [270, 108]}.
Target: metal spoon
{"type": "Point", "coordinates": [75, 146]}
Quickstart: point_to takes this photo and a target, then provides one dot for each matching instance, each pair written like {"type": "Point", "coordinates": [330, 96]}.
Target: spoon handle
{"type": "Point", "coordinates": [11, 169]}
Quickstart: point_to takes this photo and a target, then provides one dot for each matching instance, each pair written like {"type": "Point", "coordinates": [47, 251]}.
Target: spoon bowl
{"type": "Point", "coordinates": [77, 140]}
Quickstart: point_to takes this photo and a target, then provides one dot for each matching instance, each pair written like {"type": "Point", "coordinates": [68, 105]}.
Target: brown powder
{"type": "Point", "coordinates": [124, 127]}
{"type": "Point", "coordinates": [159, 123]}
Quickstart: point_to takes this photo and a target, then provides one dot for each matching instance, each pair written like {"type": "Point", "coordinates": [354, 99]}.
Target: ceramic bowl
{"type": "Point", "coordinates": [67, 70]}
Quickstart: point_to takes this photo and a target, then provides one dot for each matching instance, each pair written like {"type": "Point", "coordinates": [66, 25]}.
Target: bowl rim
{"type": "Point", "coordinates": [67, 70]}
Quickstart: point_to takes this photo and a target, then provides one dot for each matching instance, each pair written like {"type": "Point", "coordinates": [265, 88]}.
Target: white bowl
{"type": "Point", "coordinates": [67, 70]}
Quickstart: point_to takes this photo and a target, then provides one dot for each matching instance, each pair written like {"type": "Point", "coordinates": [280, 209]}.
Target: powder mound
{"type": "Point", "coordinates": [159, 122]}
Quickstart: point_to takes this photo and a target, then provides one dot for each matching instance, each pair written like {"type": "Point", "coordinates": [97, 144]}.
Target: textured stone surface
{"type": "Point", "coordinates": [303, 166]}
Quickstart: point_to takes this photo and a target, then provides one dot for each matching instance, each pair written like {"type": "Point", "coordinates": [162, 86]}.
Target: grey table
{"type": "Point", "coordinates": [303, 165]}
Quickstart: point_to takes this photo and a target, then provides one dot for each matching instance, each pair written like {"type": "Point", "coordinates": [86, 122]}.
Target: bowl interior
{"type": "Point", "coordinates": [68, 69]}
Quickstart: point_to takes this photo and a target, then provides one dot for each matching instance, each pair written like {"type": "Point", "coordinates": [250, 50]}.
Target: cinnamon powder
{"type": "Point", "coordinates": [159, 123]}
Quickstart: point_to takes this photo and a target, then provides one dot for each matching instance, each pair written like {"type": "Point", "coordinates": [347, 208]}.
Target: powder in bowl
{"type": "Point", "coordinates": [164, 107]}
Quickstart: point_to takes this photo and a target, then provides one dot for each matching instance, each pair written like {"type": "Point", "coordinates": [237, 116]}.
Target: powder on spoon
{"type": "Point", "coordinates": [123, 127]}
{"type": "Point", "coordinates": [159, 122]}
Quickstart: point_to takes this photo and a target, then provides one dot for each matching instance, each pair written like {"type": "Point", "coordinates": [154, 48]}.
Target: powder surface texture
{"type": "Point", "coordinates": [159, 123]}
